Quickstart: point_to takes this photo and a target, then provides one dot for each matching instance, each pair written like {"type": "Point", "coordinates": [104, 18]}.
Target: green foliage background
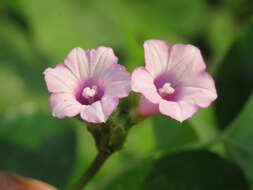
{"type": "Point", "coordinates": [211, 151]}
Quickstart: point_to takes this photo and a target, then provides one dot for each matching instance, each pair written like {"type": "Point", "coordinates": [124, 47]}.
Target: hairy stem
{"type": "Point", "coordinates": [97, 163]}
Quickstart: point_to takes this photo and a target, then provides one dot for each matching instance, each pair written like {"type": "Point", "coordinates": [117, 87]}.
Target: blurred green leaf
{"type": "Point", "coordinates": [38, 146]}
{"type": "Point", "coordinates": [132, 177]}
{"type": "Point", "coordinates": [238, 139]}
{"type": "Point", "coordinates": [153, 137]}
{"type": "Point", "coordinates": [171, 135]}
{"type": "Point", "coordinates": [159, 18]}
{"type": "Point", "coordinates": [68, 24]}
{"type": "Point", "coordinates": [196, 170]}
{"type": "Point", "coordinates": [140, 143]}
{"type": "Point", "coordinates": [204, 123]}
{"type": "Point", "coordinates": [235, 80]}
{"type": "Point", "coordinates": [18, 55]}
{"type": "Point", "coordinates": [150, 139]}
{"type": "Point", "coordinates": [221, 19]}
{"type": "Point", "coordinates": [241, 9]}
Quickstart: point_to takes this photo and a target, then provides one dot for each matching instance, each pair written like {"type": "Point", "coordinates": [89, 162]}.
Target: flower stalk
{"type": "Point", "coordinates": [109, 138]}
{"type": "Point", "coordinates": [95, 166]}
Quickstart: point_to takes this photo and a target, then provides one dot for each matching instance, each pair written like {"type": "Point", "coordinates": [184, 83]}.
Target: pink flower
{"type": "Point", "coordinates": [89, 83]}
{"type": "Point", "coordinates": [174, 81]}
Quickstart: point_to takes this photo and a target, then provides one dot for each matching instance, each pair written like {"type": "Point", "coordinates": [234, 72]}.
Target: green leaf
{"type": "Point", "coordinates": [153, 138]}
{"type": "Point", "coordinates": [204, 123]}
{"type": "Point", "coordinates": [154, 19]}
{"type": "Point", "coordinates": [68, 24]}
{"type": "Point", "coordinates": [171, 135]}
{"type": "Point", "coordinates": [235, 80]}
{"type": "Point", "coordinates": [238, 139]}
{"type": "Point", "coordinates": [147, 140]}
{"type": "Point", "coordinates": [195, 170]}
{"type": "Point", "coordinates": [38, 146]}
{"type": "Point", "coordinates": [220, 42]}
{"type": "Point", "coordinates": [132, 177]}
{"type": "Point", "coordinates": [166, 136]}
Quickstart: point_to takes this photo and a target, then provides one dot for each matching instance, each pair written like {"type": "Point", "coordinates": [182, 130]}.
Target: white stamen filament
{"type": "Point", "coordinates": [90, 92]}
{"type": "Point", "coordinates": [166, 89]}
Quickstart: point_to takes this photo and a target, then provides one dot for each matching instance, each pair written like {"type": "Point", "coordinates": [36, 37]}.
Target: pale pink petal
{"type": "Point", "coordinates": [64, 105]}
{"type": "Point", "coordinates": [156, 56]}
{"type": "Point", "coordinates": [99, 111]}
{"type": "Point", "coordinates": [147, 108]}
{"type": "Point", "coordinates": [90, 63]}
{"type": "Point", "coordinates": [60, 79]}
{"type": "Point", "coordinates": [115, 73]}
{"type": "Point", "coordinates": [142, 82]}
{"type": "Point", "coordinates": [179, 111]}
{"type": "Point", "coordinates": [184, 60]}
{"type": "Point", "coordinates": [101, 59]}
{"type": "Point", "coordinates": [78, 62]}
{"type": "Point", "coordinates": [109, 105]}
{"type": "Point", "coordinates": [117, 81]}
{"type": "Point", "coordinates": [93, 113]}
{"type": "Point", "coordinates": [199, 90]}
{"type": "Point", "coordinates": [118, 89]}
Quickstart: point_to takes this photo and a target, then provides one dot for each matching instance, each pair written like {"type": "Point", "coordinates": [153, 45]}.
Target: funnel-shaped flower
{"type": "Point", "coordinates": [89, 83]}
{"type": "Point", "coordinates": [173, 81]}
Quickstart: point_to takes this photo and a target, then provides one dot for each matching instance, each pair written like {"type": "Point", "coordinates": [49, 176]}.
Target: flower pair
{"type": "Point", "coordinates": [90, 82]}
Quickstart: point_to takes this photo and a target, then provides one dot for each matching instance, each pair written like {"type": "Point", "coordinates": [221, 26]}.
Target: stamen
{"type": "Point", "coordinates": [90, 92]}
{"type": "Point", "coordinates": [166, 89]}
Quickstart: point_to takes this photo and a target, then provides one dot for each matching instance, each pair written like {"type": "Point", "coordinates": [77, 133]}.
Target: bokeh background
{"type": "Point", "coordinates": [213, 150]}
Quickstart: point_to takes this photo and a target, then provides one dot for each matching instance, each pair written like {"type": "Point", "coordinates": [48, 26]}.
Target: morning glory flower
{"type": "Point", "coordinates": [89, 83]}
{"type": "Point", "coordinates": [173, 81]}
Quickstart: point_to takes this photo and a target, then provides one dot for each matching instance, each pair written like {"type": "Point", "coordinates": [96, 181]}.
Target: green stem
{"type": "Point", "coordinates": [97, 163]}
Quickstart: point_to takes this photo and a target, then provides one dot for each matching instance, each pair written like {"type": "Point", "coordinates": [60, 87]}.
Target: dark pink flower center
{"type": "Point", "coordinates": [89, 93]}
{"type": "Point", "coordinates": [166, 88]}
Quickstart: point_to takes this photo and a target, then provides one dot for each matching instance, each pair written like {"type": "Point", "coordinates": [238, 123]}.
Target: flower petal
{"type": "Point", "coordinates": [142, 82]}
{"type": "Point", "coordinates": [179, 111]}
{"type": "Point", "coordinates": [101, 59]}
{"type": "Point", "coordinates": [90, 63]}
{"type": "Point", "coordinates": [118, 89]}
{"type": "Point", "coordinates": [156, 56]}
{"type": "Point", "coordinates": [198, 89]}
{"type": "Point", "coordinates": [116, 73]}
{"type": "Point", "coordinates": [99, 111]}
{"type": "Point", "coordinates": [147, 108]}
{"type": "Point", "coordinates": [184, 59]}
{"type": "Point", "coordinates": [64, 105]}
{"type": "Point", "coordinates": [175, 60]}
{"type": "Point", "coordinates": [78, 63]}
{"type": "Point", "coordinates": [117, 81]}
{"type": "Point", "coordinates": [60, 79]}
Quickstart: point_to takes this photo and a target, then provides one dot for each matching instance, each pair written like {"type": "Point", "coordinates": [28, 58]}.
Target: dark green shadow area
{"type": "Point", "coordinates": [235, 80]}
{"type": "Point", "coordinates": [38, 147]}
{"type": "Point", "coordinates": [195, 170]}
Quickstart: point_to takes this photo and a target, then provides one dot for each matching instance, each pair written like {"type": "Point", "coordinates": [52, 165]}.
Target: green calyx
{"type": "Point", "coordinates": [109, 136]}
